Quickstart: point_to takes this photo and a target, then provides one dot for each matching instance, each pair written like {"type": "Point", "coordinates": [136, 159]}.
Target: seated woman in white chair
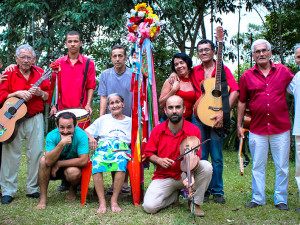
{"type": "Point", "coordinates": [112, 150]}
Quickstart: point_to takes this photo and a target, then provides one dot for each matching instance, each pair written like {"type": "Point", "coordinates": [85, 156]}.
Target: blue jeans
{"type": "Point", "coordinates": [214, 149]}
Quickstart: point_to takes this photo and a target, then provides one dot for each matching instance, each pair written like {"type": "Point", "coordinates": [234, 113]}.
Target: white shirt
{"type": "Point", "coordinates": [294, 88]}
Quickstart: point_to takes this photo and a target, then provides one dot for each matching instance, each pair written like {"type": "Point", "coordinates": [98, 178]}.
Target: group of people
{"type": "Point", "coordinates": [67, 147]}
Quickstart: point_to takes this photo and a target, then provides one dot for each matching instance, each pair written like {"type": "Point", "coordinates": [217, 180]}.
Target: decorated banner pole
{"type": "Point", "coordinates": [143, 26]}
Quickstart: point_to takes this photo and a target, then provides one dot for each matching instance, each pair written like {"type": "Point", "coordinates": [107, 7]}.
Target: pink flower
{"type": "Point", "coordinates": [144, 30]}
{"type": "Point", "coordinates": [131, 37]}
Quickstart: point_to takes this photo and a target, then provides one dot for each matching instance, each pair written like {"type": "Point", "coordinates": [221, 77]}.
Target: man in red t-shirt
{"type": "Point", "coordinates": [18, 84]}
{"type": "Point", "coordinates": [69, 80]}
{"type": "Point", "coordinates": [162, 149]}
{"type": "Point", "coordinates": [265, 85]}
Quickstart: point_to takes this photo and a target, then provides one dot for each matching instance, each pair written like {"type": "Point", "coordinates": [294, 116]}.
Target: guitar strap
{"type": "Point", "coordinates": [84, 79]}
{"type": "Point", "coordinates": [225, 102]}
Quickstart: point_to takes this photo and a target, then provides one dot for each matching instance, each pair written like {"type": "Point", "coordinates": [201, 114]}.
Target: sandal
{"type": "Point", "coordinates": [110, 191]}
{"type": "Point", "coordinates": [126, 189]}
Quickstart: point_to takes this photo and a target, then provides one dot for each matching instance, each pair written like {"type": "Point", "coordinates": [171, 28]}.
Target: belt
{"type": "Point", "coordinates": [29, 116]}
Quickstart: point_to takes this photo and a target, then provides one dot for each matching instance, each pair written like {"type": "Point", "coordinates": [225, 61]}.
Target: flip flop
{"type": "Point", "coordinates": [126, 189]}
{"type": "Point", "coordinates": [110, 191]}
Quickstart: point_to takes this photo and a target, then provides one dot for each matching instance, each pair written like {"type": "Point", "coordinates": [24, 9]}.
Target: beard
{"type": "Point", "coordinates": [175, 118]}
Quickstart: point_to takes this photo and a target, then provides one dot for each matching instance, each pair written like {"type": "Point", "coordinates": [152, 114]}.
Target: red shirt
{"type": "Point", "coordinates": [198, 75]}
{"type": "Point", "coordinates": [17, 82]}
{"type": "Point", "coordinates": [189, 98]}
{"type": "Point", "coordinates": [70, 80]}
{"type": "Point", "coordinates": [165, 145]}
{"type": "Point", "coordinates": [267, 95]}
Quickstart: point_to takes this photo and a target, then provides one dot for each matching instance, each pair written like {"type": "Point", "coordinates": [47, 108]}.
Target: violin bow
{"type": "Point", "coordinates": [207, 140]}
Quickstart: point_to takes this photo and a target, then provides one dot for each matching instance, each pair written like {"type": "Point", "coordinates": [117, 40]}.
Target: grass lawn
{"type": "Point", "coordinates": [237, 193]}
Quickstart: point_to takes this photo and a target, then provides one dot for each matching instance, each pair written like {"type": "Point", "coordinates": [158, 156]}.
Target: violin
{"type": "Point", "coordinates": [190, 161]}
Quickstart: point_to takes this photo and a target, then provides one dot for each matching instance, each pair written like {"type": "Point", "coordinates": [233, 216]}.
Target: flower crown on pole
{"type": "Point", "coordinates": [142, 23]}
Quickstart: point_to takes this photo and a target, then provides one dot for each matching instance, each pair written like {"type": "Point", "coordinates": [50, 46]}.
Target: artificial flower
{"type": "Point", "coordinates": [141, 14]}
{"type": "Point", "coordinates": [149, 9]}
{"type": "Point", "coordinates": [131, 37]}
{"type": "Point", "coordinates": [140, 6]}
{"type": "Point", "coordinates": [142, 23]}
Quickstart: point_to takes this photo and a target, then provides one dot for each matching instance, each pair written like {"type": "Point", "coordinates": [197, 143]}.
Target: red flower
{"type": "Point", "coordinates": [55, 67]}
{"type": "Point", "coordinates": [130, 29]}
{"type": "Point", "coordinates": [132, 19]}
{"type": "Point", "coordinates": [138, 18]}
{"type": "Point", "coordinates": [148, 20]}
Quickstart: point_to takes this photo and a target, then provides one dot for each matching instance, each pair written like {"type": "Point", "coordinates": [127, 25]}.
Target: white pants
{"type": "Point", "coordinates": [163, 192]}
{"type": "Point", "coordinates": [297, 160]}
{"type": "Point", "coordinates": [280, 149]}
{"type": "Point", "coordinates": [31, 130]}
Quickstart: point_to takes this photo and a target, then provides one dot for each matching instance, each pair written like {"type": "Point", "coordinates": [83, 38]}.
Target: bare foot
{"type": "Point", "coordinates": [71, 195]}
{"type": "Point", "coordinates": [115, 207]}
{"type": "Point", "coordinates": [41, 205]}
{"type": "Point", "coordinates": [102, 208]}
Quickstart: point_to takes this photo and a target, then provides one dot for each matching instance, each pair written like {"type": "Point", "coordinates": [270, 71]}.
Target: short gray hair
{"type": "Point", "coordinates": [296, 46]}
{"type": "Point", "coordinates": [113, 95]}
{"type": "Point", "coordinates": [260, 41]}
{"type": "Point", "coordinates": [25, 47]}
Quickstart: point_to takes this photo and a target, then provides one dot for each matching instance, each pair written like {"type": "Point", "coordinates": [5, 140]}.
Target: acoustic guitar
{"type": "Point", "coordinates": [210, 102]}
{"type": "Point", "coordinates": [14, 110]}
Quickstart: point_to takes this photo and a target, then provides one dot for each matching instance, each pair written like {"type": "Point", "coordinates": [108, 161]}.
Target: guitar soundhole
{"type": "Point", "coordinates": [216, 93]}
{"type": "Point", "coordinates": [12, 110]}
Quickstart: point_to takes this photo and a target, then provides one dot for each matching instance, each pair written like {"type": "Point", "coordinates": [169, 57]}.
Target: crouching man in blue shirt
{"type": "Point", "coordinates": [66, 152]}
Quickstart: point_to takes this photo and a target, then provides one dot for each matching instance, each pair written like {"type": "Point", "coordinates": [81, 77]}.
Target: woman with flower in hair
{"type": "Point", "coordinates": [182, 65]}
{"type": "Point", "coordinates": [112, 151]}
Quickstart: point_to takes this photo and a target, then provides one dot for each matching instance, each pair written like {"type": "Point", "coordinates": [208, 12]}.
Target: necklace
{"type": "Point", "coordinates": [207, 73]}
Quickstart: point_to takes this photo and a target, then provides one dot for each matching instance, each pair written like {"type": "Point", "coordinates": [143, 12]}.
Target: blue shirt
{"type": "Point", "coordinates": [294, 88]}
{"type": "Point", "coordinates": [79, 146]}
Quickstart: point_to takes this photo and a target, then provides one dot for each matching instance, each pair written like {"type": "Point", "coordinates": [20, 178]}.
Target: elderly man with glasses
{"type": "Point", "coordinates": [18, 84]}
{"type": "Point", "coordinates": [265, 85]}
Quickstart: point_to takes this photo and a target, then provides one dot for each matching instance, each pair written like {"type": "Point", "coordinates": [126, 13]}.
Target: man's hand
{"type": "Point", "coordinates": [10, 68]}
{"type": "Point", "coordinates": [93, 143]}
{"type": "Point", "coordinates": [54, 169]}
{"type": "Point", "coordinates": [176, 86]}
{"type": "Point", "coordinates": [53, 111]}
{"type": "Point", "coordinates": [26, 95]}
{"type": "Point", "coordinates": [36, 91]}
{"type": "Point", "coordinates": [173, 77]}
{"type": "Point", "coordinates": [186, 182]}
{"type": "Point", "coordinates": [89, 109]}
{"type": "Point", "coordinates": [66, 139]}
{"type": "Point", "coordinates": [165, 162]}
{"type": "Point", "coordinates": [2, 77]}
{"type": "Point", "coordinates": [218, 120]}
{"type": "Point", "coordinates": [240, 132]}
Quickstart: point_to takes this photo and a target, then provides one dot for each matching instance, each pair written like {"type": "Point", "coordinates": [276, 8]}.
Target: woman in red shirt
{"type": "Point", "coordinates": [182, 65]}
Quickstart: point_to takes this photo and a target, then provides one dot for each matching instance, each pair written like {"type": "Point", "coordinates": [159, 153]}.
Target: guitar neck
{"type": "Point", "coordinates": [42, 78]}
{"type": "Point", "coordinates": [219, 67]}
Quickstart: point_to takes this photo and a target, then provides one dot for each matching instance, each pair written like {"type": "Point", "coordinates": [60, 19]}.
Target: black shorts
{"type": "Point", "coordinates": [60, 174]}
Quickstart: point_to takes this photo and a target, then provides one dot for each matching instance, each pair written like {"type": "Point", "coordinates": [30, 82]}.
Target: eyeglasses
{"type": "Point", "coordinates": [204, 50]}
{"type": "Point", "coordinates": [23, 57]}
{"type": "Point", "coordinates": [263, 51]}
